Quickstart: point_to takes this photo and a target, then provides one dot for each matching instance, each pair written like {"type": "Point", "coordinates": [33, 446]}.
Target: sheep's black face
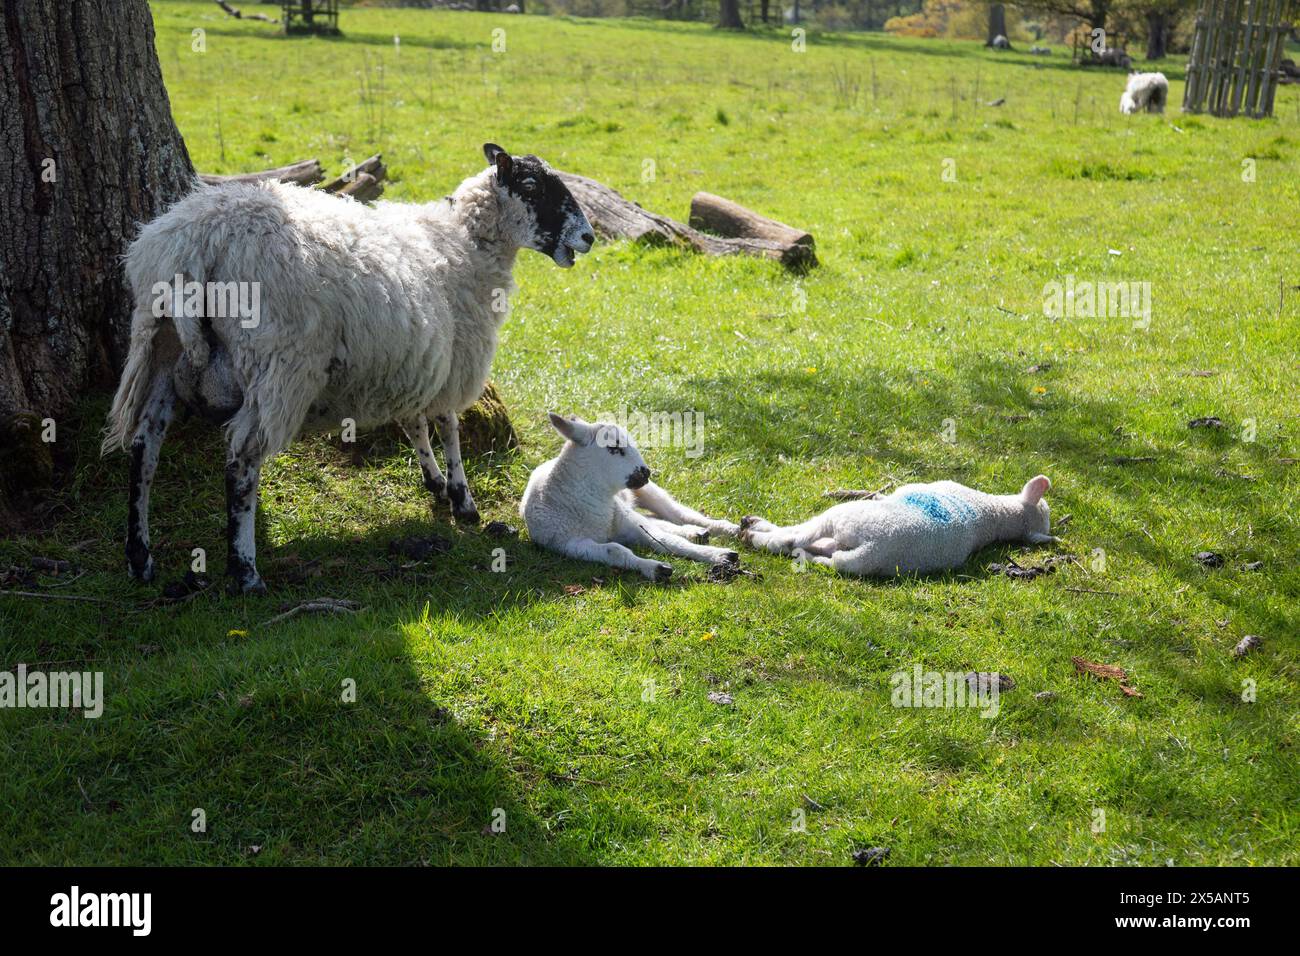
{"type": "Point", "coordinates": [551, 220]}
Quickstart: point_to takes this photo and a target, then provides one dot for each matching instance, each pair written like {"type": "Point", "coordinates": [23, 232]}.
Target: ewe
{"type": "Point", "coordinates": [1147, 91]}
{"type": "Point", "coordinates": [917, 529]}
{"type": "Point", "coordinates": [362, 316]}
{"type": "Point", "coordinates": [583, 505]}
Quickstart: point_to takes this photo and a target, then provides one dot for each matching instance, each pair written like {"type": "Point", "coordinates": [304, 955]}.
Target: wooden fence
{"type": "Point", "coordinates": [1236, 55]}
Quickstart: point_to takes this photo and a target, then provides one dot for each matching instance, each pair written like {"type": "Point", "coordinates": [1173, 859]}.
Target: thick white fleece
{"type": "Point", "coordinates": [919, 528]}
{"type": "Point", "coordinates": [373, 314]}
{"type": "Point", "coordinates": [1147, 91]}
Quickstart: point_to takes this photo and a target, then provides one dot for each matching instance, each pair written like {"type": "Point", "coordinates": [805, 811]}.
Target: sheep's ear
{"type": "Point", "coordinates": [574, 429]}
{"type": "Point", "coordinates": [1035, 488]}
{"type": "Point", "coordinates": [499, 158]}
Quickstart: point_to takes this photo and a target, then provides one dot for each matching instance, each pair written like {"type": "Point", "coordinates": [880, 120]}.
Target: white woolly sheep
{"type": "Point", "coordinates": [1147, 91]}
{"type": "Point", "coordinates": [918, 529]}
{"type": "Point", "coordinates": [346, 315]}
{"type": "Point", "coordinates": [583, 505]}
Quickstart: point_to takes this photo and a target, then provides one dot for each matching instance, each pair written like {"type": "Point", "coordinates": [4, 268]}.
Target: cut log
{"type": "Point", "coordinates": [304, 174]}
{"type": "Point", "coordinates": [614, 217]}
{"type": "Point", "coordinates": [365, 188]}
{"type": "Point", "coordinates": [726, 218]}
{"type": "Point", "coordinates": [373, 167]}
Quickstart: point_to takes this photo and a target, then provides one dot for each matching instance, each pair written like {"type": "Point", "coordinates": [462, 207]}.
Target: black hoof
{"type": "Point", "coordinates": [436, 486]}
{"type": "Point", "coordinates": [468, 516]}
{"type": "Point", "coordinates": [238, 586]}
{"type": "Point", "coordinates": [663, 571]}
{"type": "Point", "coordinates": [747, 521]}
{"type": "Point", "coordinates": [731, 557]}
{"type": "Point", "coordinates": [143, 573]}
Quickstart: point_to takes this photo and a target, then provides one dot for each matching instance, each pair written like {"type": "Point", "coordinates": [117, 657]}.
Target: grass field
{"type": "Point", "coordinates": [481, 692]}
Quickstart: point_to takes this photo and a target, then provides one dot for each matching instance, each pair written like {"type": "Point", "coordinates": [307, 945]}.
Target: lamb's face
{"type": "Point", "coordinates": [604, 452]}
{"type": "Point", "coordinates": [538, 208]}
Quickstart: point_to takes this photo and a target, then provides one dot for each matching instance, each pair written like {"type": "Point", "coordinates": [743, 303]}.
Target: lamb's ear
{"type": "Point", "coordinates": [1035, 488]}
{"type": "Point", "coordinates": [499, 158]}
{"type": "Point", "coordinates": [574, 429]}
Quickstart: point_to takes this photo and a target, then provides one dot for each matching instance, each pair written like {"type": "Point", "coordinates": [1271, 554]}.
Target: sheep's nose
{"type": "Point", "coordinates": [639, 478]}
{"type": "Point", "coordinates": [588, 238]}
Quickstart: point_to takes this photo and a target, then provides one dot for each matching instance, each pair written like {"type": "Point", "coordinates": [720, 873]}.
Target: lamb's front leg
{"type": "Point", "coordinates": [617, 556]}
{"type": "Point", "coordinates": [417, 432]}
{"type": "Point", "coordinates": [632, 532]}
{"type": "Point", "coordinates": [462, 504]}
{"type": "Point", "coordinates": [663, 505]}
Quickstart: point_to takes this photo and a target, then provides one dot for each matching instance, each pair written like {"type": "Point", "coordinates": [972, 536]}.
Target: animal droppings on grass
{"type": "Point", "coordinates": [726, 573]}
{"type": "Point", "coordinates": [1044, 696]}
{"type": "Point", "coordinates": [1209, 421]}
{"type": "Point", "coordinates": [1019, 572]}
{"type": "Point", "coordinates": [1209, 559]}
{"type": "Point", "coordinates": [573, 590]}
{"type": "Point", "coordinates": [499, 529]}
{"type": "Point", "coordinates": [871, 856]}
{"type": "Point", "coordinates": [1253, 566]}
{"type": "Point", "coordinates": [417, 549]}
{"type": "Point", "coordinates": [983, 682]}
{"type": "Point", "coordinates": [721, 698]}
{"type": "Point", "coordinates": [1247, 644]}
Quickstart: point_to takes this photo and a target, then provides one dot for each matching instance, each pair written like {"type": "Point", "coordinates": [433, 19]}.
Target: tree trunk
{"type": "Point", "coordinates": [1157, 34]}
{"type": "Point", "coordinates": [997, 22]}
{"type": "Point", "coordinates": [764, 7]}
{"type": "Point", "coordinates": [729, 15]}
{"type": "Point", "coordinates": [88, 150]}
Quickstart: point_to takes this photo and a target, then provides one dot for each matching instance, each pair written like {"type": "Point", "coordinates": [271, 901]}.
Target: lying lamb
{"type": "Point", "coordinates": [917, 529]}
{"type": "Point", "coordinates": [363, 316]}
{"type": "Point", "coordinates": [583, 505]}
{"type": "Point", "coordinates": [1147, 91]}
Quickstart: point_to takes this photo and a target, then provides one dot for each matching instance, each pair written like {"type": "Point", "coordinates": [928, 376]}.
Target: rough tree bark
{"type": "Point", "coordinates": [997, 22]}
{"type": "Point", "coordinates": [88, 149]}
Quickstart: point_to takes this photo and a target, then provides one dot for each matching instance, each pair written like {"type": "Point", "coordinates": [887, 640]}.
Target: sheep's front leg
{"type": "Point", "coordinates": [417, 432]}
{"type": "Point", "coordinates": [242, 474]}
{"type": "Point", "coordinates": [663, 505]}
{"type": "Point", "coordinates": [149, 435]}
{"type": "Point", "coordinates": [462, 504]}
{"type": "Point", "coordinates": [617, 556]}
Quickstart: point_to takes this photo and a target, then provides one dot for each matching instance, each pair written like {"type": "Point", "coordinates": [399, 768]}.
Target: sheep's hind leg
{"type": "Point", "coordinates": [418, 433]}
{"type": "Point", "coordinates": [149, 435]}
{"type": "Point", "coordinates": [638, 533]}
{"type": "Point", "coordinates": [462, 503]}
{"type": "Point", "coordinates": [243, 471]}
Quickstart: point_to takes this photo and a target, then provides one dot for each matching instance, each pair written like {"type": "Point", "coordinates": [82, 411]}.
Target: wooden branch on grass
{"type": "Point", "coordinates": [240, 15]}
{"type": "Point", "coordinates": [363, 182]}
{"type": "Point", "coordinates": [722, 216]}
{"type": "Point", "coordinates": [617, 218]}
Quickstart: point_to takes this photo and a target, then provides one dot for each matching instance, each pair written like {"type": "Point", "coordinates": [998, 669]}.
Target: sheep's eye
{"type": "Point", "coordinates": [617, 450]}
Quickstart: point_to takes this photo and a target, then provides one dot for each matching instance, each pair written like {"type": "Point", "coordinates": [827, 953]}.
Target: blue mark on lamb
{"type": "Point", "coordinates": [943, 509]}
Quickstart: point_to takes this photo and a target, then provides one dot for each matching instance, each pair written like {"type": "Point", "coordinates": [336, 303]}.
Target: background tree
{"type": "Point", "coordinates": [88, 149]}
{"type": "Point", "coordinates": [997, 22]}
{"type": "Point", "coordinates": [729, 15]}
{"type": "Point", "coordinates": [1092, 12]}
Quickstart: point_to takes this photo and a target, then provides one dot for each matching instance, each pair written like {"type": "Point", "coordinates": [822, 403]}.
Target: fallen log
{"type": "Point", "coordinates": [304, 173]}
{"type": "Point", "coordinates": [614, 217]}
{"type": "Point", "coordinates": [348, 183]}
{"type": "Point", "coordinates": [726, 218]}
{"type": "Point", "coordinates": [240, 15]}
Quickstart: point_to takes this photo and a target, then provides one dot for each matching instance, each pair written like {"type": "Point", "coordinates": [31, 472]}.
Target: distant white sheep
{"type": "Point", "coordinates": [1149, 91]}
{"type": "Point", "coordinates": [1000, 42]}
{"type": "Point", "coordinates": [362, 316]}
{"type": "Point", "coordinates": [583, 505]}
{"type": "Point", "coordinates": [919, 528]}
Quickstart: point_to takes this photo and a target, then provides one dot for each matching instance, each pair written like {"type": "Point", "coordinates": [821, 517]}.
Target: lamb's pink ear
{"type": "Point", "coordinates": [1035, 489]}
{"type": "Point", "coordinates": [574, 429]}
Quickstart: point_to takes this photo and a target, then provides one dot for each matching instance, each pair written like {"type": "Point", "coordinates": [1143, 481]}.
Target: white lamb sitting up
{"type": "Point", "coordinates": [1147, 91]}
{"type": "Point", "coordinates": [918, 529]}
{"type": "Point", "coordinates": [583, 505]}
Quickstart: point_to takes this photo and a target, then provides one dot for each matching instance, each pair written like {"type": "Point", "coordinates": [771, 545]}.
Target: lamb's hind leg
{"type": "Point", "coordinates": [145, 445]}
{"type": "Point", "coordinates": [766, 536]}
{"type": "Point", "coordinates": [617, 556]}
{"type": "Point", "coordinates": [639, 533]}
{"type": "Point", "coordinates": [418, 433]}
{"type": "Point", "coordinates": [462, 504]}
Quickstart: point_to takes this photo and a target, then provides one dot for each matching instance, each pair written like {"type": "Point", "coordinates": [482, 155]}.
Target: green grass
{"type": "Point", "coordinates": [478, 690]}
